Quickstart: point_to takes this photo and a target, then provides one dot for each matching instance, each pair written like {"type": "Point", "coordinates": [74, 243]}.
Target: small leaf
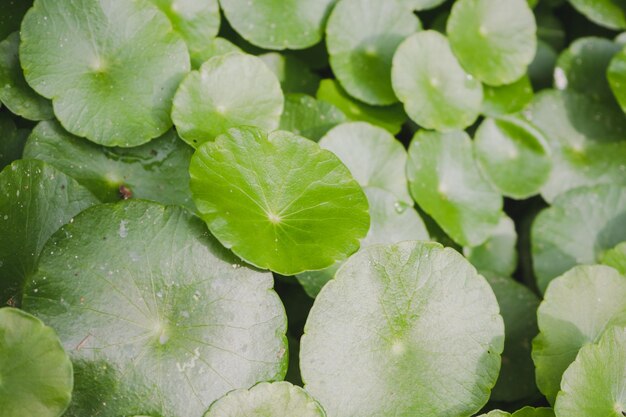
{"type": "Point", "coordinates": [495, 40]}
{"type": "Point", "coordinates": [35, 200]}
{"type": "Point", "coordinates": [35, 372]}
{"type": "Point", "coordinates": [158, 318]}
{"type": "Point", "coordinates": [445, 181]}
{"type": "Point", "coordinates": [278, 24]}
{"type": "Point", "coordinates": [111, 70]}
{"type": "Point", "coordinates": [437, 93]}
{"type": "Point", "coordinates": [279, 201]}
{"type": "Point", "coordinates": [594, 384]}
{"type": "Point", "coordinates": [607, 13]}
{"type": "Point", "coordinates": [374, 324]}
{"type": "Point", "coordinates": [362, 36]}
{"type": "Point", "coordinates": [513, 155]}
{"type": "Point", "coordinates": [499, 253]}
{"type": "Point", "coordinates": [228, 91]}
{"type": "Point", "coordinates": [305, 116]}
{"type": "Point", "coordinates": [578, 306]}
{"type": "Point", "coordinates": [579, 227]}
{"type": "Point", "coordinates": [374, 157]}
{"type": "Point", "coordinates": [279, 399]}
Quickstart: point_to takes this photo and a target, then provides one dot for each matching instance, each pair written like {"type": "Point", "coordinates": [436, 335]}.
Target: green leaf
{"type": "Point", "coordinates": [159, 318]}
{"type": "Point", "coordinates": [594, 384]}
{"type": "Point", "coordinates": [12, 141]}
{"type": "Point", "coordinates": [616, 74]}
{"type": "Point", "coordinates": [14, 92]}
{"type": "Point", "coordinates": [369, 348]}
{"type": "Point", "coordinates": [362, 36]}
{"type": "Point", "coordinates": [279, 399]}
{"type": "Point", "coordinates": [518, 306]}
{"type": "Point", "coordinates": [524, 412]}
{"type": "Point", "coordinates": [374, 157]}
{"type": "Point", "coordinates": [157, 171]}
{"type": "Point", "coordinates": [308, 117]}
{"type": "Point", "coordinates": [513, 155]}
{"type": "Point", "coordinates": [499, 253]}
{"type": "Point", "coordinates": [579, 227]}
{"type": "Point", "coordinates": [279, 201]}
{"type": "Point", "coordinates": [293, 74]}
{"type": "Point", "coordinates": [581, 65]}
{"type": "Point", "coordinates": [392, 221]}
{"type": "Point", "coordinates": [616, 258]}
{"type": "Point", "coordinates": [35, 200]}
{"type": "Point", "coordinates": [607, 13]}
{"type": "Point", "coordinates": [422, 4]}
{"type": "Point", "coordinates": [217, 46]}
{"type": "Point", "coordinates": [228, 91]}
{"type": "Point", "coordinates": [507, 99]}
{"type": "Point", "coordinates": [197, 21]}
{"type": "Point", "coordinates": [111, 70]}
{"type": "Point", "coordinates": [12, 13]}
{"type": "Point", "coordinates": [495, 40]}
{"type": "Point", "coordinates": [586, 139]}
{"type": "Point", "coordinates": [445, 181]}
{"type": "Point", "coordinates": [389, 118]}
{"type": "Point", "coordinates": [437, 93]}
{"type": "Point", "coordinates": [278, 24]}
{"type": "Point", "coordinates": [577, 307]}
{"type": "Point", "coordinates": [35, 372]}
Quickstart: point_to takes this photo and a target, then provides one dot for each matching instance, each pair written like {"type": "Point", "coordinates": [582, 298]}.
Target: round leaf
{"type": "Point", "coordinates": [616, 258]}
{"type": "Point", "coordinates": [586, 139]}
{"type": "Point", "coordinates": [157, 171]}
{"type": "Point", "coordinates": [159, 319]}
{"type": "Point", "coordinates": [308, 117]}
{"type": "Point", "coordinates": [197, 21]}
{"type": "Point", "coordinates": [445, 181]}
{"type": "Point", "coordinates": [280, 399]}
{"type": "Point", "coordinates": [499, 253]}
{"type": "Point", "coordinates": [228, 91]}
{"type": "Point", "coordinates": [607, 13]}
{"type": "Point", "coordinates": [370, 348]}
{"type": "Point", "coordinates": [507, 99]}
{"type": "Point", "coordinates": [513, 155]}
{"type": "Point", "coordinates": [576, 309]}
{"type": "Point", "coordinates": [111, 70]}
{"type": "Point", "coordinates": [579, 227]}
{"type": "Point", "coordinates": [35, 200]}
{"type": "Point", "coordinates": [373, 156]}
{"type": "Point", "coordinates": [14, 92]}
{"type": "Point", "coordinates": [495, 40]}
{"type": "Point", "coordinates": [437, 93]}
{"type": "Point", "coordinates": [35, 372]}
{"type": "Point", "coordinates": [278, 24]}
{"type": "Point", "coordinates": [594, 384]}
{"type": "Point", "coordinates": [280, 201]}
{"type": "Point", "coordinates": [362, 36]}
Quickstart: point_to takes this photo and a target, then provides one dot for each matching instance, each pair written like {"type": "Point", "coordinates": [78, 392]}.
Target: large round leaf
{"type": "Point", "coordinates": [278, 201]}
{"type": "Point", "coordinates": [111, 70]}
{"type": "Point", "coordinates": [278, 24]}
{"type": "Point", "coordinates": [513, 155]}
{"type": "Point", "coordinates": [159, 319]}
{"type": "Point", "coordinates": [518, 306]}
{"type": "Point", "coordinates": [362, 37]}
{"type": "Point", "coordinates": [576, 309]}
{"type": "Point", "coordinates": [35, 372]}
{"type": "Point", "coordinates": [280, 399]}
{"type": "Point", "coordinates": [373, 156]}
{"type": "Point", "coordinates": [35, 200]}
{"type": "Point", "coordinates": [579, 227]}
{"type": "Point", "coordinates": [494, 40]}
{"type": "Point", "coordinates": [228, 91]}
{"type": "Point", "coordinates": [445, 181]}
{"type": "Point", "coordinates": [607, 13]}
{"type": "Point", "coordinates": [498, 254]}
{"type": "Point", "coordinates": [595, 384]}
{"type": "Point", "coordinates": [407, 330]}
{"type": "Point", "coordinates": [586, 138]}
{"type": "Point", "coordinates": [197, 21]}
{"type": "Point", "coordinates": [157, 171]}
{"type": "Point", "coordinates": [308, 117]}
{"type": "Point", "coordinates": [437, 93]}
{"type": "Point", "coordinates": [14, 92]}
{"type": "Point", "coordinates": [616, 258]}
